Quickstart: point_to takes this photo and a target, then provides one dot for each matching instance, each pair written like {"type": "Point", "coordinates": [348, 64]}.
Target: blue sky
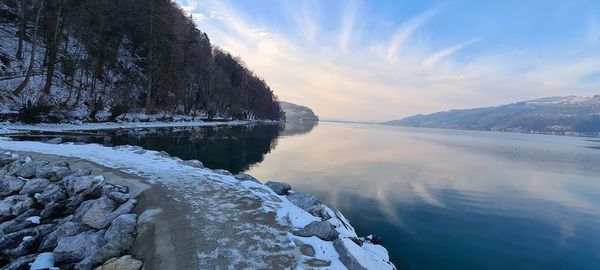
{"type": "Point", "coordinates": [380, 60]}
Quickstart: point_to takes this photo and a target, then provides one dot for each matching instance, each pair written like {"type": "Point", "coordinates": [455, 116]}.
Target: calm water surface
{"type": "Point", "coordinates": [440, 199]}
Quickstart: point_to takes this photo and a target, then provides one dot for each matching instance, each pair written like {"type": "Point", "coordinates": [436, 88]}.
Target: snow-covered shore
{"type": "Point", "coordinates": [9, 128]}
{"type": "Point", "coordinates": [220, 207]}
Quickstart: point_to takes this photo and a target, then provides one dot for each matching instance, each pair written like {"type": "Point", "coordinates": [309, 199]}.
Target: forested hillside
{"type": "Point", "coordinates": [572, 115]}
{"type": "Point", "coordinates": [97, 59]}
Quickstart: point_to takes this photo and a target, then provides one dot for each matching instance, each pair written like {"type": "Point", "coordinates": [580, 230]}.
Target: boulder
{"type": "Point", "coordinates": [146, 219]}
{"type": "Point", "coordinates": [75, 248]}
{"type": "Point", "coordinates": [122, 224]}
{"type": "Point", "coordinates": [246, 177]}
{"type": "Point", "coordinates": [35, 185]}
{"type": "Point", "coordinates": [278, 187]}
{"type": "Point", "coordinates": [10, 185]}
{"type": "Point", "coordinates": [43, 261]}
{"type": "Point", "coordinates": [68, 228]}
{"type": "Point", "coordinates": [107, 188]}
{"type": "Point", "coordinates": [12, 240]}
{"type": "Point", "coordinates": [374, 239]}
{"type": "Point", "coordinates": [320, 211]}
{"type": "Point", "coordinates": [57, 173]}
{"type": "Point", "coordinates": [122, 263]}
{"type": "Point", "coordinates": [303, 200]}
{"type": "Point", "coordinates": [56, 140]}
{"type": "Point", "coordinates": [23, 242]}
{"type": "Point", "coordinates": [346, 257]}
{"type": "Point", "coordinates": [193, 163]}
{"type": "Point", "coordinates": [19, 223]}
{"type": "Point", "coordinates": [84, 171]}
{"type": "Point", "coordinates": [357, 241]}
{"type": "Point", "coordinates": [7, 158]}
{"type": "Point", "coordinates": [77, 184]}
{"type": "Point", "coordinates": [26, 170]}
{"type": "Point", "coordinates": [118, 197]}
{"type": "Point", "coordinates": [54, 171]}
{"type": "Point", "coordinates": [221, 172]}
{"type": "Point", "coordinates": [15, 205]}
{"type": "Point", "coordinates": [24, 247]}
{"type": "Point", "coordinates": [20, 263]}
{"type": "Point", "coordinates": [51, 193]}
{"type": "Point", "coordinates": [119, 238]}
{"type": "Point", "coordinates": [98, 214]}
{"type": "Point", "coordinates": [54, 209]}
{"type": "Point", "coordinates": [82, 209]}
{"type": "Point", "coordinates": [322, 229]}
{"type": "Point", "coordinates": [12, 168]}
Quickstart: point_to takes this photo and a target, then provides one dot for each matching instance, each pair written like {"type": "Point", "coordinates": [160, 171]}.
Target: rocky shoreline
{"type": "Point", "coordinates": [57, 216]}
{"type": "Point", "coordinates": [101, 216]}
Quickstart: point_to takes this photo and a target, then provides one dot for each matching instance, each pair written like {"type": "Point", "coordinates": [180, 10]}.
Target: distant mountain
{"type": "Point", "coordinates": [572, 115]}
{"type": "Point", "coordinates": [294, 112]}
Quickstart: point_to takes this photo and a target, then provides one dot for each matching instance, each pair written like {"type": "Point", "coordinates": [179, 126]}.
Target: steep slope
{"type": "Point", "coordinates": [294, 112]}
{"type": "Point", "coordinates": [95, 60]}
{"type": "Point", "coordinates": [572, 115]}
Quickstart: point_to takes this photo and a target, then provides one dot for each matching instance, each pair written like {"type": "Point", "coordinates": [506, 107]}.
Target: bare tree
{"type": "Point", "coordinates": [22, 28]}
{"type": "Point", "coordinates": [52, 54]}
{"type": "Point", "coordinates": [149, 100]}
{"type": "Point", "coordinates": [21, 86]}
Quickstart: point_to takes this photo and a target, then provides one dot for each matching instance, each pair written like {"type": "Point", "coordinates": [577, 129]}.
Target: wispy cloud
{"type": "Point", "coordinates": [404, 33]}
{"type": "Point", "coordinates": [593, 32]}
{"type": "Point", "coordinates": [432, 60]}
{"type": "Point", "coordinates": [348, 24]}
{"type": "Point", "coordinates": [325, 62]}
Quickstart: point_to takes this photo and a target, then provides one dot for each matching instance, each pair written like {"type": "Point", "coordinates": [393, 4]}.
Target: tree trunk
{"type": "Point", "coordinates": [22, 28]}
{"type": "Point", "coordinates": [52, 54]}
{"type": "Point", "coordinates": [149, 105]}
{"type": "Point", "coordinates": [20, 88]}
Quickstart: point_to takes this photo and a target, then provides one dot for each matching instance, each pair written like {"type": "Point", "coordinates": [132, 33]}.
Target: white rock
{"type": "Point", "coordinates": [43, 261]}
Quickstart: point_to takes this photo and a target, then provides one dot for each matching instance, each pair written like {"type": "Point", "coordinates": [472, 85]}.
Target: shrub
{"type": "Point", "coordinates": [117, 110]}
{"type": "Point", "coordinates": [33, 113]}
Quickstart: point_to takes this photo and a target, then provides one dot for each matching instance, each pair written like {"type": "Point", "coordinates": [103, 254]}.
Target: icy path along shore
{"type": "Point", "coordinates": [235, 222]}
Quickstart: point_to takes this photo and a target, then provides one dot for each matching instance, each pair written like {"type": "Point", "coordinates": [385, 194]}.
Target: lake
{"type": "Point", "coordinates": [440, 199]}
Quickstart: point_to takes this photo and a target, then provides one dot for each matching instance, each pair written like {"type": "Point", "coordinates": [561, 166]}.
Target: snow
{"type": "Point", "coordinates": [34, 219]}
{"type": "Point", "coordinates": [43, 261]}
{"type": "Point", "coordinates": [11, 128]}
{"type": "Point", "coordinates": [324, 250]}
{"type": "Point", "coordinates": [367, 256]}
{"type": "Point", "coordinates": [160, 168]}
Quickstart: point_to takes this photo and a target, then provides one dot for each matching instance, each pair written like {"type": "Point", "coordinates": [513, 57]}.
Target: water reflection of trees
{"type": "Point", "coordinates": [298, 127]}
{"type": "Point", "coordinates": [232, 148]}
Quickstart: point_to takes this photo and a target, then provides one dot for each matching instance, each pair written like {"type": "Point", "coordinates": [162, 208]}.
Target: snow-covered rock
{"type": "Point", "coordinates": [303, 200]}
{"type": "Point", "coordinates": [322, 229]}
{"type": "Point", "coordinates": [278, 187]}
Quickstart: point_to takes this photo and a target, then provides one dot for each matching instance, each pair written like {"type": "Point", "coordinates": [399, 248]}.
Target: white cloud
{"type": "Point", "coordinates": [339, 77]}
{"type": "Point", "coordinates": [593, 33]}
{"type": "Point", "coordinates": [432, 60]}
{"type": "Point", "coordinates": [404, 33]}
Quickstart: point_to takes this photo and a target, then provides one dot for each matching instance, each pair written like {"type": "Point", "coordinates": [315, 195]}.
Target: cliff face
{"type": "Point", "coordinates": [294, 112]}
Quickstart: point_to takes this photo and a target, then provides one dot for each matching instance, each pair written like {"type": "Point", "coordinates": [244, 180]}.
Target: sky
{"type": "Point", "coordinates": [387, 59]}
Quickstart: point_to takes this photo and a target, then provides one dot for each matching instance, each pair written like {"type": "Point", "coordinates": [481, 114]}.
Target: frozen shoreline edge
{"type": "Point", "coordinates": [11, 128]}
{"type": "Point", "coordinates": [364, 256]}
